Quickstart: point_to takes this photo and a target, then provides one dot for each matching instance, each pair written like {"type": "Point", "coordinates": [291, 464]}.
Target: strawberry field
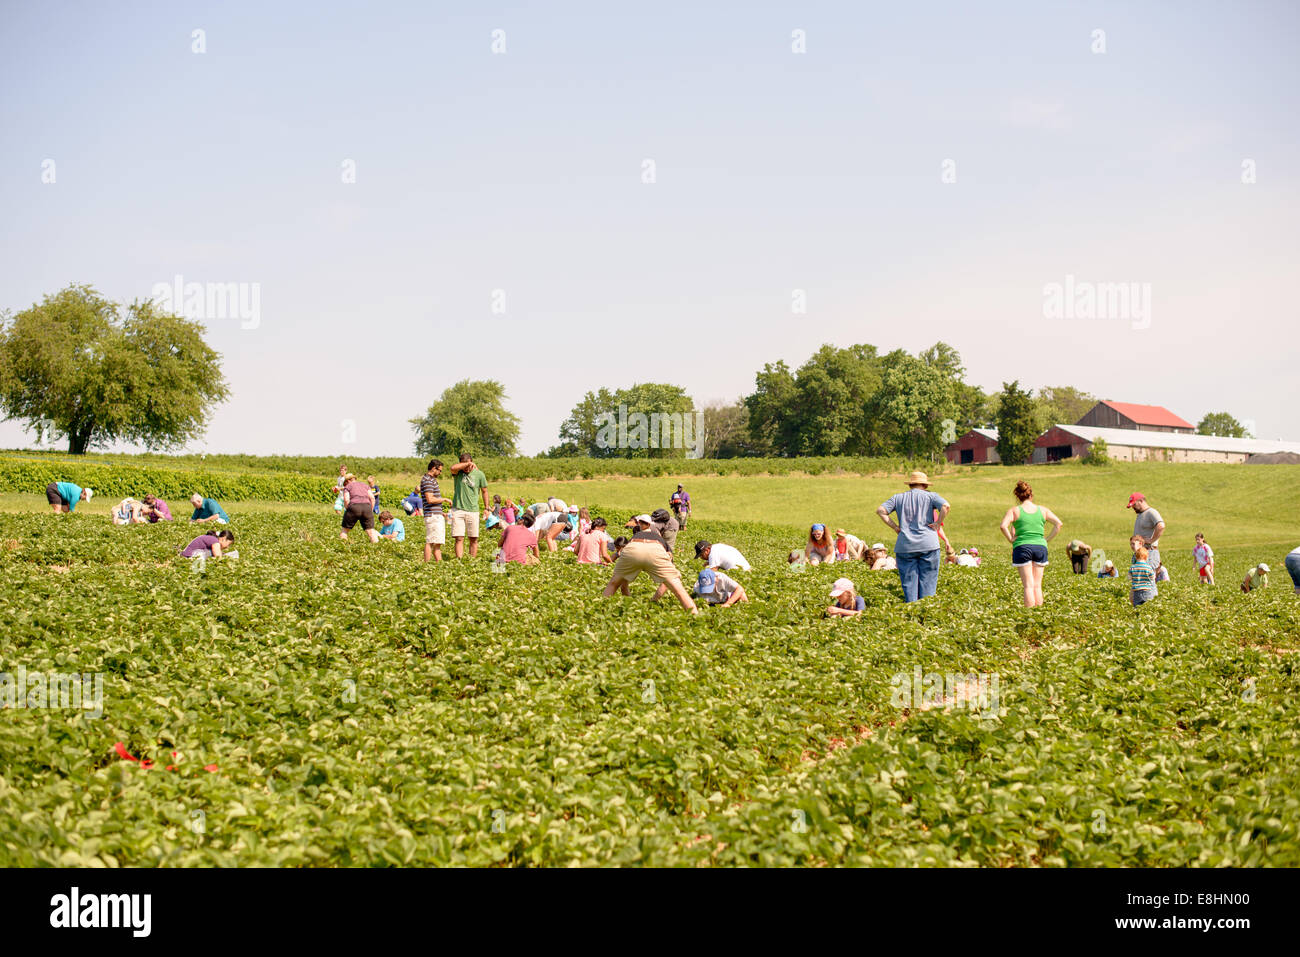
{"type": "Point", "coordinates": [358, 708]}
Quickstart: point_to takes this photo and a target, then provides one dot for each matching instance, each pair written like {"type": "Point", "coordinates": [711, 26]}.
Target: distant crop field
{"type": "Point", "coordinates": [359, 708]}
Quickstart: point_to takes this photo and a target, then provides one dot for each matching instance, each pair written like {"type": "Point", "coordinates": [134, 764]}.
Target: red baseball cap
{"type": "Point", "coordinates": [1135, 497]}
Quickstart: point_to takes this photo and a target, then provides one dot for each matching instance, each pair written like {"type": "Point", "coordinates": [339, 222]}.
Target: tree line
{"type": "Point", "coordinates": [78, 367]}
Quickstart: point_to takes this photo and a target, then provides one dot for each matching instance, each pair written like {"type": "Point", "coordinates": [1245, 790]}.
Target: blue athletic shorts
{"type": "Point", "coordinates": [1024, 554]}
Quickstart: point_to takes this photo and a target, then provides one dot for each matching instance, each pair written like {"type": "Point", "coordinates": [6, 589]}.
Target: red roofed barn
{"type": "Point", "coordinates": [1128, 415]}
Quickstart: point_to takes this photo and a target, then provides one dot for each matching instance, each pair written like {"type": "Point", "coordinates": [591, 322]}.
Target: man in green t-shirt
{"type": "Point", "coordinates": [469, 479]}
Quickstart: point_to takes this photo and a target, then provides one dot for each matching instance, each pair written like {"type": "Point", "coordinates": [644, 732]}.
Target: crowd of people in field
{"type": "Point", "coordinates": [915, 516]}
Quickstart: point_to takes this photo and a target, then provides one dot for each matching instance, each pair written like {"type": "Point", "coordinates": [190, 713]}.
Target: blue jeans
{"type": "Point", "coordinates": [1293, 567]}
{"type": "Point", "coordinates": [919, 573]}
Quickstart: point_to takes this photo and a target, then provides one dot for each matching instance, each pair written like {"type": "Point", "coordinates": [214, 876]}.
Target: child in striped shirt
{"type": "Point", "coordinates": [1141, 576]}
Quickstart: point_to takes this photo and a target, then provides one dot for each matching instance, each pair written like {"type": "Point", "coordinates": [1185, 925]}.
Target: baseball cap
{"type": "Point", "coordinates": [642, 518]}
{"type": "Point", "coordinates": [701, 546]}
{"type": "Point", "coordinates": [573, 509]}
{"type": "Point", "coordinates": [840, 587]}
{"type": "Point", "coordinates": [1263, 568]}
{"type": "Point", "coordinates": [706, 582]}
{"type": "Point", "coordinates": [1109, 564]}
{"type": "Point", "coordinates": [90, 493]}
{"type": "Point", "coordinates": [1135, 497]}
{"type": "Point", "coordinates": [974, 550]}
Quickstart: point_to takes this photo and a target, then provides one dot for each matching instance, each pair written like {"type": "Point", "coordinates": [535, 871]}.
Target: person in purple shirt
{"type": "Point", "coordinates": [681, 506]}
{"type": "Point", "coordinates": [210, 545]}
{"type": "Point", "coordinates": [156, 510]}
{"type": "Point", "coordinates": [917, 548]}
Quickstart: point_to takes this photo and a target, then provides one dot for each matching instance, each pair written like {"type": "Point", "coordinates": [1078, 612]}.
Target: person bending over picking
{"type": "Point", "coordinates": [1256, 578]}
{"type": "Point", "coordinates": [64, 496]}
{"type": "Point", "coordinates": [648, 552]}
{"type": "Point", "coordinates": [721, 556]}
{"type": "Point", "coordinates": [718, 588]}
{"type": "Point", "coordinates": [358, 506]}
{"type": "Point", "coordinates": [207, 510]}
{"type": "Point", "coordinates": [209, 545]}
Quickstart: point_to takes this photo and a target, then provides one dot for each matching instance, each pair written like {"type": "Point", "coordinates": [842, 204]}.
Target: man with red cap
{"type": "Point", "coordinates": [1148, 525]}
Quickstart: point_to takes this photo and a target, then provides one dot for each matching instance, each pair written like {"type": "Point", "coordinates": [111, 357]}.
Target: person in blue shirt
{"type": "Point", "coordinates": [370, 480]}
{"type": "Point", "coordinates": [64, 496]}
{"type": "Point", "coordinates": [412, 502]}
{"type": "Point", "coordinates": [917, 548]}
{"type": "Point", "coordinates": [391, 528]}
{"type": "Point", "coordinates": [207, 510]}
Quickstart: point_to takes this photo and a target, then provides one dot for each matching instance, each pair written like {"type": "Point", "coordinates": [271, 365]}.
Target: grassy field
{"type": "Point", "coordinates": [361, 708]}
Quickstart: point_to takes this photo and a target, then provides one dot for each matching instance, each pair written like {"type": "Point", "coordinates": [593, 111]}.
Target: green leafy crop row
{"type": "Point", "coordinates": [499, 469]}
{"type": "Point", "coordinates": [365, 709]}
{"type": "Point", "coordinates": [172, 484]}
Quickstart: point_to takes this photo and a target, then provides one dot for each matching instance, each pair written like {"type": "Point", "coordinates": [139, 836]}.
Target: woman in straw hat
{"type": "Point", "coordinates": [917, 547]}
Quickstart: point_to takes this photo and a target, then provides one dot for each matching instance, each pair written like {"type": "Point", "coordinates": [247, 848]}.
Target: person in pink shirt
{"type": "Point", "coordinates": [519, 542]}
{"type": "Point", "coordinates": [590, 545]}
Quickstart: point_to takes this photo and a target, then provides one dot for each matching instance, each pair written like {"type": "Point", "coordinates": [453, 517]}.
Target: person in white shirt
{"type": "Point", "coordinates": [720, 556]}
{"type": "Point", "coordinates": [719, 589]}
{"type": "Point", "coordinates": [1204, 557]}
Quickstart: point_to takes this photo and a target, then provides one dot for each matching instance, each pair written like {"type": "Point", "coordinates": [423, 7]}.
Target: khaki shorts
{"type": "Point", "coordinates": [648, 557]}
{"type": "Point", "coordinates": [464, 524]}
{"type": "Point", "coordinates": [435, 529]}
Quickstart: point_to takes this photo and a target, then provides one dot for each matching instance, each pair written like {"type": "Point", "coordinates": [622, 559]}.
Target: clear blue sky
{"type": "Point", "coordinates": [775, 171]}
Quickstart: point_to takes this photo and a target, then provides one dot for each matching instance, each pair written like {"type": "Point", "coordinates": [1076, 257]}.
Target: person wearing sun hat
{"type": "Point", "coordinates": [1148, 525]}
{"type": "Point", "coordinates": [848, 548]}
{"type": "Point", "coordinates": [64, 496]}
{"type": "Point", "coordinates": [917, 547]}
{"type": "Point", "coordinates": [847, 602]}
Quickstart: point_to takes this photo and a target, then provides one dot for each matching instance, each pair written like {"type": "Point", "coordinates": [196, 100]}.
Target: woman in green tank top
{"type": "Point", "coordinates": [1029, 541]}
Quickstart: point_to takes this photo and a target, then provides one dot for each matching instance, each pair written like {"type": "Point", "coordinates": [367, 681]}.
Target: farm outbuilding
{"type": "Point", "coordinates": [1132, 445]}
{"type": "Point", "coordinates": [976, 447]}
{"type": "Point", "coordinates": [1129, 415]}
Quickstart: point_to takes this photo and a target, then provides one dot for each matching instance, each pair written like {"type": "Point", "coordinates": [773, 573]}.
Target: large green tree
{"type": "Point", "coordinates": [912, 405]}
{"type": "Point", "coordinates": [80, 367]}
{"type": "Point", "coordinates": [832, 391]}
{"type": "Point", "coordinates": [645, 420]}
{"type": "Point", "coordinates": [773, 428]}
{"type": "Point", "coordinates": [470, 416]}
{"type": "Point", "coordinates": [1062, 405]}
{"type": "Point", "coordinates": [1222, 424]}
{"type": "Point", "coordinates": [726, 430]}
{"type": "Point", "coordinates": [1017, 424]}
